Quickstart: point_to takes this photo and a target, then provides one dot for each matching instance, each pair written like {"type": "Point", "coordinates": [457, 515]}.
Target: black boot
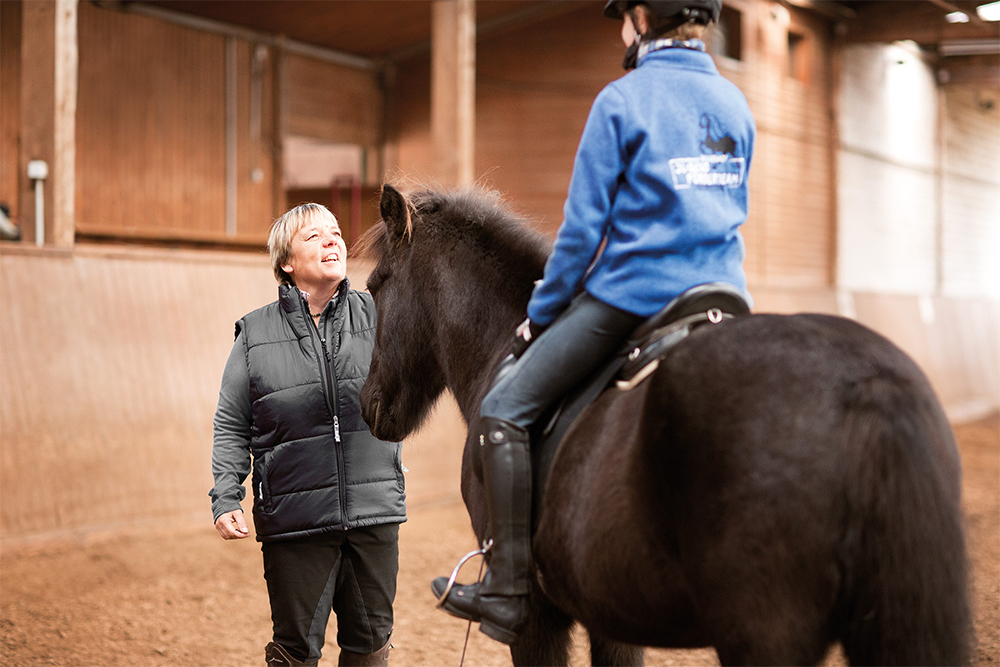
{"type": "Point", "coordinates": [500, 602]}
{"type": "Point", "coordinates": [276, 655]}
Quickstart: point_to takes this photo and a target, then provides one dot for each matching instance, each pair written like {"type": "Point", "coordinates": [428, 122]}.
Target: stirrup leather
{"type": "Point", "coordinates": [487, 545]}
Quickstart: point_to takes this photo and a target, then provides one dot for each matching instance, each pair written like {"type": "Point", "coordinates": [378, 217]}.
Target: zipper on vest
{"type": "Point", "coordinates": [326, 372]}
{"type": "Point", "coordinates": [331, 397]}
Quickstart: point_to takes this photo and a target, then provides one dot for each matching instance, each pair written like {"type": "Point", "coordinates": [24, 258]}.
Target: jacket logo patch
{"type": "Point", "coordinates": [707, 171]}
{"type": "Point", "coordinates": [716, 167]}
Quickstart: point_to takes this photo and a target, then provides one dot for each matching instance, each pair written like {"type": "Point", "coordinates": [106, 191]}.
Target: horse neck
{"type": "Point", "coordinates": [475, 330]}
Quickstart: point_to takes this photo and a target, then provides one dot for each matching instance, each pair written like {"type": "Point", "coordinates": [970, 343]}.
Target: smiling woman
{"type": "Point", "coordinates": [308, 251]}
{"type": "Point", "coordinates": [328, 495]}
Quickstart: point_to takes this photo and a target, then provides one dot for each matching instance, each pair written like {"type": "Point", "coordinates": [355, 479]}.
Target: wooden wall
{"type": "Point", "coordinates": [534, 91]}
{"type": "Point", "coordinates": [790, 233]}
{"type": "Point", "coordinates": [111, 360]}
{"type": "Point", "coordinates": [10, 104]}
{"type": "Point", "coordinates": [116, 357]}
{"type": "Point", "coordinates": [151, 139]}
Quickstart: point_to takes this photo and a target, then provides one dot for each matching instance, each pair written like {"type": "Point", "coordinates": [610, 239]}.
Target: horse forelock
{"type": "Point", "coordinates": [479, 216]}
{"type": "Point", "coordinates": [454, 214]}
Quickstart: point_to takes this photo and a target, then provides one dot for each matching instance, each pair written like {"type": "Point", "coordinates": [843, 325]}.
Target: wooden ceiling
{"type": "Point", "coordinates": [375, 28]}
{"type": "Point", "coordinates": [395, 29]}
{"type": "Point", "coordinates": [966, 52]}
{"type": "Point", "coordinates": [371, 29]}
{"type": "Point", "coordinates": [922, 21]}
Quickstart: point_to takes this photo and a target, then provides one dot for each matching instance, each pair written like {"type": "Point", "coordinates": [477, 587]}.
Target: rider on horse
{"type": "Point", "coordinates": [655, 203]}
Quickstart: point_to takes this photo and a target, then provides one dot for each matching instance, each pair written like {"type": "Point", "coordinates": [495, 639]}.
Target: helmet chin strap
{"type": "Point", "coordinates": [632, 54]}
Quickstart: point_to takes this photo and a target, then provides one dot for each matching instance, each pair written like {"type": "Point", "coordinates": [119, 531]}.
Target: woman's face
{"type": "Point", "coordinates": [319, 254]}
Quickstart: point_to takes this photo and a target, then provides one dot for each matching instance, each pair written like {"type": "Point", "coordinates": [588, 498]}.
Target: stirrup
{"type": "Point", "coordinates": [454, 573]}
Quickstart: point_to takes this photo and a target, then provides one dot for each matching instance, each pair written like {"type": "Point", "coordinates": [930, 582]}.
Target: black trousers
{"type": "Point", "coordinates": [351, 572]}
{"type": "Point", "coordinates": [585, 335]}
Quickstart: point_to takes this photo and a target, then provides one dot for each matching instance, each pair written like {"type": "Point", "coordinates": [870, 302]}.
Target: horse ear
{"type": "Point", "coordinates": [395, 213]}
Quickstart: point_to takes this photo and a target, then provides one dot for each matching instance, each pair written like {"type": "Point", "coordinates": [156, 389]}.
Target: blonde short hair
{"type": "Point", "coordinates": [279, 241]}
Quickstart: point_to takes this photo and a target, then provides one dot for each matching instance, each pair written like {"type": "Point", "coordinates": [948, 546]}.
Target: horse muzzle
{"type": "Point", "coordinates": [378, 422]}
{"type": "Point", "coordinates": [370, 413]}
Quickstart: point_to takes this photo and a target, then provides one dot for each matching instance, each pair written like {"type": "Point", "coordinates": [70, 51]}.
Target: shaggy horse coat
{"type": "Point", "coordinates": [779, 484]}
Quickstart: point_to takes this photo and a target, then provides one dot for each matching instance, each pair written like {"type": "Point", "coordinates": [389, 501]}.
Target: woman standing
{"type": "Point", "coordinates": [328, 496]}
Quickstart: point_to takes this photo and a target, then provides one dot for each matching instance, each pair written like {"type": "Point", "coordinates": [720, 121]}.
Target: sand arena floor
{"type": "Point", "coordinates": [179, 595]}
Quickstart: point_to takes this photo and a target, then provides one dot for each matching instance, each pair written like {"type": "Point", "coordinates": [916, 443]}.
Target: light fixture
{"type": "Point", "coordinates": [956, 17]}
{"type": "Point", "coordinates": [989, 12]}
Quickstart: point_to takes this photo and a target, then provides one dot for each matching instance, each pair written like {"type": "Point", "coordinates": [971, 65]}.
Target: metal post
{"type": "Point", "coordinates": [38, 171]}
{"type": "Point", "coordinates": [39, 213]}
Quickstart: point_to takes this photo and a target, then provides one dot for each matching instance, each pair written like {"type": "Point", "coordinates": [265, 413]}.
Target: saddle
{"type": "Point", "coordinates": [703, 305]}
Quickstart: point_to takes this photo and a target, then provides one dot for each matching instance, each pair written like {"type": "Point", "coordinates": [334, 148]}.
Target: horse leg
{"type": "Point", "coordinates": [545, 639]}
{"type": "Point", "coordinates": [614, 654]}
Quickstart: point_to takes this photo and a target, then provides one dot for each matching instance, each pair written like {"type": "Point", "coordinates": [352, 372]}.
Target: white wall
{"type": "Point", "coordinates": [886, 195]}
{"type": "Point", "coordinates": [971, 191]}
{"type": "Point", "coordinates": [918, 191]}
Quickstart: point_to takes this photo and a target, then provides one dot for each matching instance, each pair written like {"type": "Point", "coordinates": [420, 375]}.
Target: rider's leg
{"type": "Point", "coordinates": [565, 354]}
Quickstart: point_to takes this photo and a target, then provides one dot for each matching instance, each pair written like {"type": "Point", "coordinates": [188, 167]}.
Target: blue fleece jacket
{"type": "Point", "coordinates": [660, 183]}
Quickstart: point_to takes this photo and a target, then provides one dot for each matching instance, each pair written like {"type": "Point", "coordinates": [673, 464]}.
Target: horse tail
{"type": "Point", "coordinates": [904, 599]}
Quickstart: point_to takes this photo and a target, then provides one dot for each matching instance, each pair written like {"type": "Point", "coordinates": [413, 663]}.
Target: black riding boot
{"type": "Point", "coordinates": [500, 601]}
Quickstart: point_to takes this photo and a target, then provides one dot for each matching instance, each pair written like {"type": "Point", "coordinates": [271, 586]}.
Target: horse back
{"type": "Point", "coordinates": [760, 474]}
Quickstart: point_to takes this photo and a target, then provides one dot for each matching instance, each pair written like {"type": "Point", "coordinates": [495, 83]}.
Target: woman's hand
{"type": "Point", "coordinates": [232, 525]}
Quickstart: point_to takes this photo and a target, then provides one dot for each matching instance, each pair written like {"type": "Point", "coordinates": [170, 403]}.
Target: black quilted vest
{"type": "Point", "coordinates": [316, 466]}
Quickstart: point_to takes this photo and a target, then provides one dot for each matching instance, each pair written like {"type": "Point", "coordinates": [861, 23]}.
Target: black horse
{"type": "Point", "coordinates": [779, 484]}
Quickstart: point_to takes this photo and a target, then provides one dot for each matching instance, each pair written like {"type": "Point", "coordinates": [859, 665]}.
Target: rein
{"type": "Point", "coordinates": [468, 628]}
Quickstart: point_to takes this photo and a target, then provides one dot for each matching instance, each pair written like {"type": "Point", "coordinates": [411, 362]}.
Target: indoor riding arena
{"type": "Point", "coordinates": [146, 148]}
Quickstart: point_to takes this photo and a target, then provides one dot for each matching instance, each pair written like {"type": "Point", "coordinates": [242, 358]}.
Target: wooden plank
{"type": "Point", "coordinates": [76, 457]}
{"type": "Point", "coordinates": [279, 127]}
{"type": "Point", "coordinates": [151, 138]}
{"type": "Point", "coordinates": [38, 105]}
{"type": "Point", "coordinates": [63, 179]}
{"type": "Point", "coordinates": [256, 140]}
{"type": "Point", "coordinates": [331, 102]}
{"type": "Point", "coordinates": [453, 90]}
{"type": "Point", "coordinates": [10, 105]}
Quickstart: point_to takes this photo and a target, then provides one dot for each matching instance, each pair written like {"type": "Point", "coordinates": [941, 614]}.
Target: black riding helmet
{"type": "Point", "coordinates": [699, 10]}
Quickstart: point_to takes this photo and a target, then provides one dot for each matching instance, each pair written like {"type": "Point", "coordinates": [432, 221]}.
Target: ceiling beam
{"type": "Point", "coordinates": [230, 30]}
{"type": "Point", "coordinates": [920, 21]}
{"type": "Point", "coordinates": [834, 10]}
{"type": "Point", "coordinates": [951, 8]}
{"type": "Point", "coordinates": [541, 11]}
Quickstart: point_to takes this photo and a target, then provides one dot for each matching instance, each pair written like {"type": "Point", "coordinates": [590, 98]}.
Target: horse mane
{"type": "Point", "coordinates": [457, 213]}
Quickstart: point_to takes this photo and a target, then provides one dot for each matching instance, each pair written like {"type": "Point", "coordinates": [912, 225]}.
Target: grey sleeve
{"type": "Point", "coordinates": [231, 434]}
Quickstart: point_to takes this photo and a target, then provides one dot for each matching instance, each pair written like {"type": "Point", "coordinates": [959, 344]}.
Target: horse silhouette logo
{"type": "Point", "coordinates": [716, 167]}
{"type": "Point", "coordinates": [716, 141]}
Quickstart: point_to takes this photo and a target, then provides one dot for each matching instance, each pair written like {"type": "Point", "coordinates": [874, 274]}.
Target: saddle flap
{"type": "Point", "coordinates": [711, 303]}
